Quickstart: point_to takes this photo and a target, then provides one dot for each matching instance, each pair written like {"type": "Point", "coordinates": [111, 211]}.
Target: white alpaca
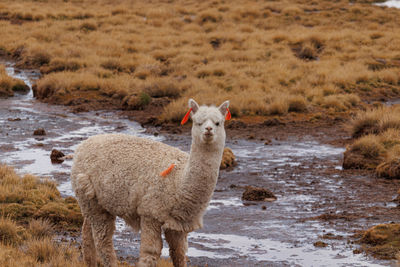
{"type": "Point", "coordinates": [119, 175]}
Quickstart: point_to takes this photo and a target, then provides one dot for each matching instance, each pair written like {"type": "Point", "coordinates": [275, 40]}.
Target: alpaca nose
{"type": "Point", "coordinates": [209, 128]}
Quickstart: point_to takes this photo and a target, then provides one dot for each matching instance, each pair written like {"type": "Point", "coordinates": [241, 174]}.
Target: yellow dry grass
{"type": "Point", "coordinates": [268, 58]}
{"type": "Point", "coordinates": [9, 85]}
{"type": "Point", "coordinates": [377, 141]}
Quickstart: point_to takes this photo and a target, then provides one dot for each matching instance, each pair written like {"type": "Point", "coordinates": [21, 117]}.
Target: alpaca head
{"type": "Point", "coordinates": [208, 123]}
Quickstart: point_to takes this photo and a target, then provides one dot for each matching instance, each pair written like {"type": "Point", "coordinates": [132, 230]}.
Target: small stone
{"type": "Point", "coordinates": [56, 156]}
{"type": "Point", "coordinates": [320, 244]}
{"type": "Point", "coordinates": [39, 131]}
{"type": "Point", "coordinates": [267, 142]}
{"type": "Point", "coordinates": [12, 119]}
{"type": "Point", "coordinates": [253, 193]}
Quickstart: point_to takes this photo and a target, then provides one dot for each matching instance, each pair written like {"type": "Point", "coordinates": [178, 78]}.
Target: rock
{"type": "Point", "coordinates": [12, 119]}
{"type": "Point", "coordinates": [39, 131]}
{"type": "Point", "coordinates": [252, 193]}
{"type": "Point", "coordinates": [228, 159]}
{"type": "Point", "coordinates": [267, 142]}
{"type": "Point", "coordinates": [56, 156]}
{"type": "Point", "coordinates": [320, 244]}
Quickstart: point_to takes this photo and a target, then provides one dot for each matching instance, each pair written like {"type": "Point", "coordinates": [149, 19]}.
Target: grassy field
{"type": "Point", "coordinates": [267, 57]}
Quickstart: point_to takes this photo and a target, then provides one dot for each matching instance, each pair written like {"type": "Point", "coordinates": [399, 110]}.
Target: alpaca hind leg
{"type": "Point", "coordinates": [89, 249]}
{"type": "Point", "coordinates": [103, 226]}
{"type": "Point", "coordinates": [177, 242]}
{"type": "Point", "coordinates": [150, 242]}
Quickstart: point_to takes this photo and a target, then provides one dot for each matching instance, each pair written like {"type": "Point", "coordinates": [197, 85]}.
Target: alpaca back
{"type": "Point", "coordinates": [124, 170]}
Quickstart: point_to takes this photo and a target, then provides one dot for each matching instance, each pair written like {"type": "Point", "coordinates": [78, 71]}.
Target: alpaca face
{"type": "Point", "coordinates": [208, 123]}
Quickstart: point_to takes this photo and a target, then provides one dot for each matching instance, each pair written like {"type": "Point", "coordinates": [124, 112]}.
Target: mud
{"type": "Point", "coordinates": [301, 165]}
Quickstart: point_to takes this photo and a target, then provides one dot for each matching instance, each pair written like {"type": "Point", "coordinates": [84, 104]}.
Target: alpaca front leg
{"type": "Point", "coordinates": [177, 242]}
{"type": "Point", "coordinates": [150, 242]}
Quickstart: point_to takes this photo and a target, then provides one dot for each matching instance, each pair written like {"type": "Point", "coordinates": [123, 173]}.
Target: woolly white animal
{"type": "Point", "coordinates": [152, 186]}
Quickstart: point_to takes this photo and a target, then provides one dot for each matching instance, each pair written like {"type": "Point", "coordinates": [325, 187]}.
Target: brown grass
{"type": "Point", "coordinates": [9, 85]}
{"type": "Point", "coordinates": [377, 142]}
{"type": "Point", "coordinates": [268, 58]}
{"type": "Point", "coordinates": [382, 241]}
{"type": "Point", "coordinates": [27, 197]}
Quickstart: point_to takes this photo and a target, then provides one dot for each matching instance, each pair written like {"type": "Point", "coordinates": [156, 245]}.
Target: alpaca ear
{"type": "Point", "coordinates": [193, 105]}
{"type": "Point", "coordinates": [224, 108]}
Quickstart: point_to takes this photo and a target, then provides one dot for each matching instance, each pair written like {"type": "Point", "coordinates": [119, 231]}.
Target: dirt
{"type": "Point", "coordinates": [296, 159]}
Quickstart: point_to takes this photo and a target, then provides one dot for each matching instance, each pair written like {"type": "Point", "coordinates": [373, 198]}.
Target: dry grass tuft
{"type": "Point", "coordinates": [375, 121]}
{"type": "Point", "coordinates": [228, 159]}
{"type": "Point", "coordinates": [368, 146]}
{"type": "Point", "coordinates": [10, 232]}
{"type": "Point", "coordinates": [22, 199]}
{"type": "Point", "coordinates": [40, 228]}
{"type": "Point", "coordinates": [378, 143]}
{"type": "Point", "coordinates": [10, 85]}
{"type": "Point", "coordinates": [382, 241]}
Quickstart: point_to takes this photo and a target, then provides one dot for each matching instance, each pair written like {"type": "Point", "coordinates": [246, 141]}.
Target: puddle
{"type": "Point", "coordinates": [392, 3]}
{"type": "Point", "coordinates": [306, 177]}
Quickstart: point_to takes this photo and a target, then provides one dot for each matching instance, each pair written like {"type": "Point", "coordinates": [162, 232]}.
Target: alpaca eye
{"type": "Point", "coordinates": [217, 123]}
{"type": "Point", "coordinates": [199, 124]}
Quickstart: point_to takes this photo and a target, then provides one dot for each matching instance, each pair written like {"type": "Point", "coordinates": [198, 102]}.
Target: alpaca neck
{"type": "Point", "coordinates": [200, 176]}
{"type": "Point", "coordinates": [203, 166]}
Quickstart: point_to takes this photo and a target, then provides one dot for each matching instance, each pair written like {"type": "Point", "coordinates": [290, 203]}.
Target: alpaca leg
{"type": "Point", "coordinates": [103, 226]}
{"type": "Point", "coordinates": [177, 242]}
{"type": "Point", "coordinates": [89, 250]}
{"type": "Point", "coordinates": [150, 242]}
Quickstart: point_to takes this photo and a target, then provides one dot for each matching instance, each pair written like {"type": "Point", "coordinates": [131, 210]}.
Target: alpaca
{"type": "Point", "coordinates": [122, 175]}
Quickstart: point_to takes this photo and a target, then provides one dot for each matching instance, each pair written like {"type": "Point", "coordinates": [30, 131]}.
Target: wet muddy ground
{"type": "Point", "coordinates": [316, 199]}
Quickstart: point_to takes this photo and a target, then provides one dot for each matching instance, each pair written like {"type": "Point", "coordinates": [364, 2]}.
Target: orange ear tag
{"type": "Point", "coordinates": [167, 171]}
{"type": "Point", "coordinates": [228, 115]}
{"type": "Point", "coordinates": [185, 119]}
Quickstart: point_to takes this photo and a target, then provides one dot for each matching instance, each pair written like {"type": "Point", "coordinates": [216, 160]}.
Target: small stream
{"type": "Point", "coordinates": [305, 175]}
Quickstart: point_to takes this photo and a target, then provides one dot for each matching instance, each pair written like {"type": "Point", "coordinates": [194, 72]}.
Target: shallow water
{"type": "Point", "coordinates": [391, 3]}
{"type": "Point", "coordinates": [305, 175]}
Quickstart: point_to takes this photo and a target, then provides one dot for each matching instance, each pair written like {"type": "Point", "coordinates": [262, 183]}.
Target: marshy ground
{"type": "Point", "coordinates": [296, 72]}
{"type": "Point", "coordinates": [316, 219]}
